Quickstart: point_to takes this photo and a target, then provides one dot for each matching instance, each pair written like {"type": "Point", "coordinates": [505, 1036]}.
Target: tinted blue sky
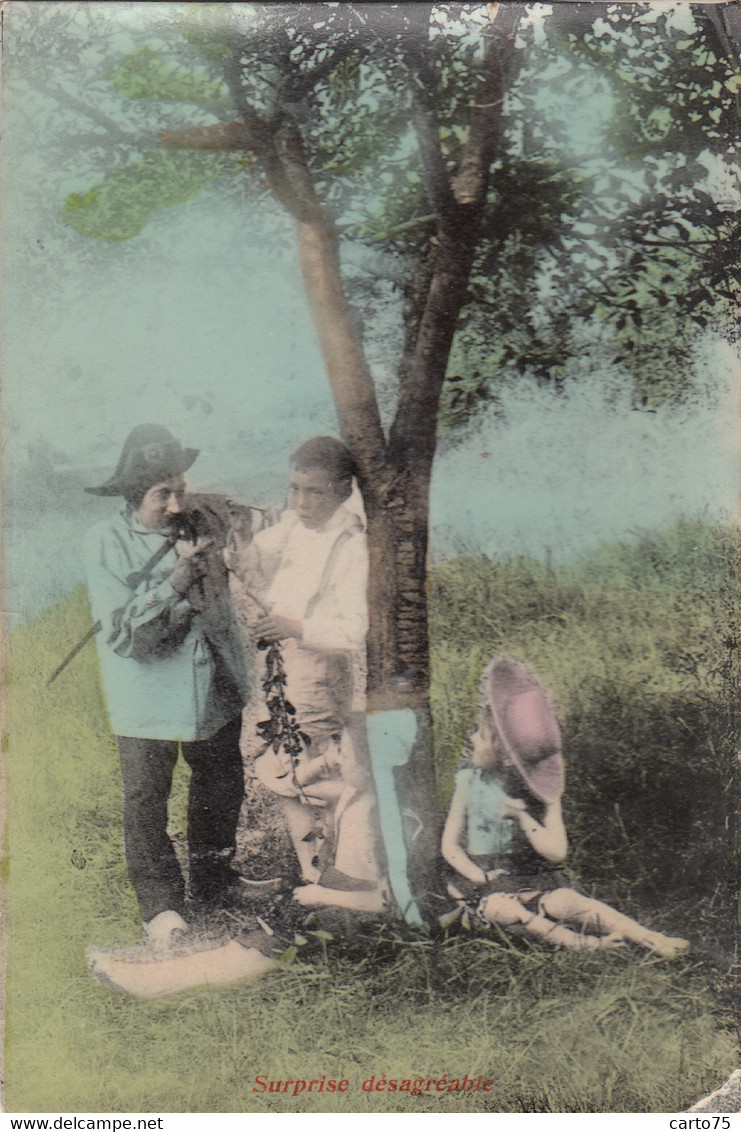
{"type": "Point", "coordinates": [201, 323]}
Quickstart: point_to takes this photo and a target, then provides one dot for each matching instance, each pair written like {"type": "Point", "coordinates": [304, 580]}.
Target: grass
{"type": "Point", "coordinates": [555, 1031]}
{"type": "Point", "coordinates": [642, 660]}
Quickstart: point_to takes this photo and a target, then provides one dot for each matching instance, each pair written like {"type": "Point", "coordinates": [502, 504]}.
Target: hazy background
{"type": "Point", "coordinates": [200, 323]}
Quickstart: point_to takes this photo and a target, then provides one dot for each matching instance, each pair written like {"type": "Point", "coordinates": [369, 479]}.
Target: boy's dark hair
{"type": "Point", "coordinates": [329, 454]}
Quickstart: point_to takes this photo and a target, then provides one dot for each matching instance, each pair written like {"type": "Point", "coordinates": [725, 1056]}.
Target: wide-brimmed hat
{"type": "Point", "coordinates": [526, 722]}
{"type": "Point", "coordinates": [150, 454]}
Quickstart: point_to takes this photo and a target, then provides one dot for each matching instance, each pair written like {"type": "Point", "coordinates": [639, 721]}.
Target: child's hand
{"type": "Point", "coordinates": [513, 808]}
{"type": "Point", "coordinates": [278, 626]}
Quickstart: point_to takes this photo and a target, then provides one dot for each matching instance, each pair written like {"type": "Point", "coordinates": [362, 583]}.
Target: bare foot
{"type": "Point", "coordinates": [317, 896]}
{"type": "Point", "coordinates": [666, 946]}
{"type": "Point", "coordinates": [613, 940]}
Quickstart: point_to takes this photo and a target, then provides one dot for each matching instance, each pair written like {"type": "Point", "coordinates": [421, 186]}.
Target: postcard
{"type": "Point", "coordinates": [371, 462]}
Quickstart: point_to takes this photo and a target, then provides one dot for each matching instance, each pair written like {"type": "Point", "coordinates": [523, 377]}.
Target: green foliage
{"type": "Point", "coordinates": [643, 263]}
{"type": "Point", "coordinates": [454, 97]}
{"type": "Point", "coordinates": [681, 277]}
{"type": "Point", "coordinates": [207, 27]}
{"type": "Point", "coordinates": [118, 207]}
{"type": "Point", "coordinates": [503, 324]}
{"type": "Point", "coordinates": [344, 79]}
{"type": "Point", "coordinates": [145, 74]}
{"type": "Point", "coordinates": [671, 94]}
{"type": "Point", "coordinates": [645, 260]}
{"type": "Point", "coordinates": [402, 216]}
{"type": "Point", "coordinates": [359, 138]}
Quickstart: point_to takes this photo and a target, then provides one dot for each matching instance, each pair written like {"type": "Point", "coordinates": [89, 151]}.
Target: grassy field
{"type": "Point", "coordinates": [638, 646]}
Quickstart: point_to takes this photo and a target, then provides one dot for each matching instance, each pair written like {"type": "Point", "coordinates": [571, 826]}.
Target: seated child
{"type": "Point", "coordinates": [504, 834]}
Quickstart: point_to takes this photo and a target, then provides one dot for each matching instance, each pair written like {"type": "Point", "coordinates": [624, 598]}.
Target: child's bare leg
{"type": "Point", "coordinates": [301, 822]}
{"type": "Point", "coordinates": [507, 910]}
{"type": "Point", "coordinates": [566, 904]}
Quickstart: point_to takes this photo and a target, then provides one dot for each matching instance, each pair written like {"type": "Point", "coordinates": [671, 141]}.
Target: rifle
{"type": "Point", "coordinates": [132, 581]}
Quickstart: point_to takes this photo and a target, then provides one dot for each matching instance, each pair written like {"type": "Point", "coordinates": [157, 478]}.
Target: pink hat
{"type": "Point", "coordinates": [526, 722]}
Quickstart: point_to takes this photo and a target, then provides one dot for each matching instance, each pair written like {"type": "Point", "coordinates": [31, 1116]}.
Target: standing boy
{"type": "Point", "coordinates": [310, 574]}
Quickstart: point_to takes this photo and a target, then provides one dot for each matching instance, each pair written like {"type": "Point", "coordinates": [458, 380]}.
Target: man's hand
{"type": "Point", "coordinates": [188, 550]}
{"type": "Point", "coordinates": [189, 567]}
{"type": "Point", "coordinates": [278, 626]}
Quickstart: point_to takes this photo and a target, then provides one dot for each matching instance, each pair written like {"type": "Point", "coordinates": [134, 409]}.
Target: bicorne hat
{"type": "Point", "coordinates": [526, 722]}
{"type": "Point", "coordinates": [150, 454]}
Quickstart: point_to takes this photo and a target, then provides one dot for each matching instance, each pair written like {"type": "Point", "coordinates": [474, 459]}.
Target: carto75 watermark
{"type": "Point", "coordinates": [700, 1123]}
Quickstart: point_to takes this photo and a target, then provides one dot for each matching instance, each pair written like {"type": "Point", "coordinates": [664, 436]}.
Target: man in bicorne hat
{"type": "Point", "coordinates": [174, 673]}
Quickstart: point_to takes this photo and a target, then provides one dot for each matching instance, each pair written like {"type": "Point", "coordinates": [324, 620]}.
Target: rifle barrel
{"type": "Point", "coordinates": [71, 655]}
{"type": "Point", "coordinates": [132, 582]}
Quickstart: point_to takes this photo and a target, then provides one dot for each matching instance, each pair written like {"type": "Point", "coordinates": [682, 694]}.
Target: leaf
{"type": "Point", "coordinates": [207, 27]}
{"type": "Point", "coordinates": [145, 74]}
{"type": "Point", "coordinates": [359, 139]}
{"type": "Point", "coordinates": [344, 78]}
{"type": "Point", "coordinates": [119, 207]}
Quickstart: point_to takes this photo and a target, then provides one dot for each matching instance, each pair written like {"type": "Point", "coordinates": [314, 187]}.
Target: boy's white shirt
{"type": "Point", "coordinates": [287, 566]}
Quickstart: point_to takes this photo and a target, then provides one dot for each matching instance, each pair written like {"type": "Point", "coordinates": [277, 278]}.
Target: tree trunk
{"type": "Point", "coordinates": [396, 498]}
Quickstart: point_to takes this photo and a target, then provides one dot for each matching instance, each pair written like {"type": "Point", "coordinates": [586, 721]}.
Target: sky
{"type": "Point", "coordinates": [201, 324]}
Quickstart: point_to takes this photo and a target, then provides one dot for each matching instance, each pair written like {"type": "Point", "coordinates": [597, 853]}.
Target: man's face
{"type": "Point", "coordinates": [161, 506]}
{"type": "Point", "coordinates": [313, 497]}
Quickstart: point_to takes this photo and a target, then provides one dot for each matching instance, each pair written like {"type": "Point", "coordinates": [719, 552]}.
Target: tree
{"type": "Point", "coordinates": [276, 80]}
{"type": "Point", "coordinates": [326, 96]}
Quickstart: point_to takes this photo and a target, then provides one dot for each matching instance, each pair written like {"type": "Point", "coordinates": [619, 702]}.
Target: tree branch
{"type": "Point", "coordinates": [471, 182]}
{"type": "Point", "coordinates": [349, 377]}
{"type": "Point", "coordinates": [424, 116]}
{"type": "Point", "coordinates": [451, 252]}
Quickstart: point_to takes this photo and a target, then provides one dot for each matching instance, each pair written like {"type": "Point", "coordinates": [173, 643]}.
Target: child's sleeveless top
{"type": "Point", "coordinates": [488, 832]}
{"type": "Point", "coordinates": [493, 841]}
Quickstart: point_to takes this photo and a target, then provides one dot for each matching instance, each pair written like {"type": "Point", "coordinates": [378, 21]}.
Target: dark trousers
{"type": "Point", "coordinates": [214, 802]}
